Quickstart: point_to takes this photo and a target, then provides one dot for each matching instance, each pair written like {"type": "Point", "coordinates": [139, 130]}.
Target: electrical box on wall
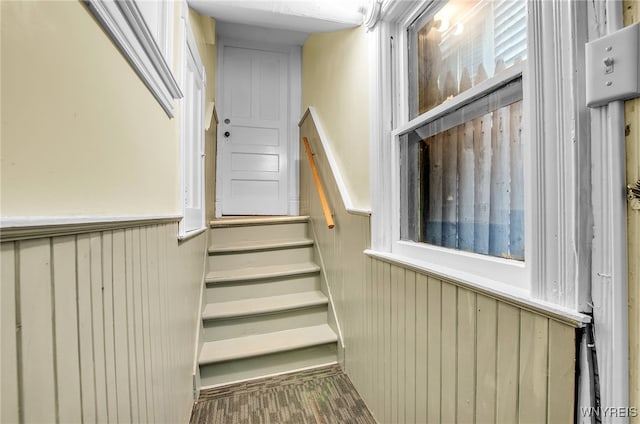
{"type": "Point", "coordinates": [612, 64]}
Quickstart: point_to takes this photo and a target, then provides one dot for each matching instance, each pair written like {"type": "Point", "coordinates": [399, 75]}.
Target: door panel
{"type": "Point", "coordinates": [254, 114]}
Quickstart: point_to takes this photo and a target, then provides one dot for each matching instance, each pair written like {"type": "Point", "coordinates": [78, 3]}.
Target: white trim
{"type": "Point", "coordinates": [191, 234]}
{"type": "Point", "coordinates": [335, 170]}
{"type": "Point", "coordinates": [294, 104]}
{"type": "Point", "coordinates": [219, 81]}
{"type": "Point", "coordinates": [491, 268]}
{"type": "Point", "coordinates": [294, 207]}
{"type": "Point", "coordinates": [372, 14]}
{"type": "Point", "coordinates": [189, 48]}
{"type": "Point", "coordinates": [609, 253]}
{"type": "Point", "coordinates": [7, 222]}
{"type": "Point", "coordinates": [558, 226]}
{"type": "Point", "coordinates": [125, 25]}
{"type": "Point", "coordinates": [486, 286]}
{"type": "Point", "coordinates": [394, 10]}
{"type": "Point", "coordinates": [380, 117]}
{"type": "Point", "coordinates": [468, 96]}
{"type": "Point", "coordinates": [29, 227]}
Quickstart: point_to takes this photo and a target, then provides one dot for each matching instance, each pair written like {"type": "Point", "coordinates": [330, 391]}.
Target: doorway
{"type": "Point", "coordinates": [259, 97]}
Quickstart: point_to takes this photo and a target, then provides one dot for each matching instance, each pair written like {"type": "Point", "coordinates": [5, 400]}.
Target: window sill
{"type": "Point", "coordinates": [500, 291]}
{"type": "Point", "coordinates": [191, 234]}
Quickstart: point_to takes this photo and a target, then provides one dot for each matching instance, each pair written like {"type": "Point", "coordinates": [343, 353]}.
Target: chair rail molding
{"type": "Point", "coordinates": [30, 227]}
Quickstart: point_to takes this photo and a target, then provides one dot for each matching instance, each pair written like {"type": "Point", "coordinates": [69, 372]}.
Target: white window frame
{"type": "Point", "coordinates": [193, 222]}
{"type": "Point", "coordinates": [162, 31]}
{"type": "Point", "coordinates": [125, 24]}
{"type": "Point", "coordinates": [555, 268]}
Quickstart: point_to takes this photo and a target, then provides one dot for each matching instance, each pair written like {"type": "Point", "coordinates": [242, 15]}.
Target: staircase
{"type": "Point", "coordinates": [265, 312]}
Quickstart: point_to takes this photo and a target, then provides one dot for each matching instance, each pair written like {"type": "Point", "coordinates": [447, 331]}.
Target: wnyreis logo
{"type": "Point", "coordinates": [609, 412]}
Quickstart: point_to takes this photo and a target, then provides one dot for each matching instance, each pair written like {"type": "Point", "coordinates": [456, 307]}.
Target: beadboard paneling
{"type": "Point", "coordinates": [448, 354]}
{"type": "Point", "coordinates": [100, 327]}
{"type": "Point", "coordinates": [338, 250]}
{"type": "Point", "coordinates": [425, 350]}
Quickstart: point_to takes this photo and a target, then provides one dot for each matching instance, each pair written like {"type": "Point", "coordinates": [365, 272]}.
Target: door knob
{"type": "Point", "coordinates": [227, 133]}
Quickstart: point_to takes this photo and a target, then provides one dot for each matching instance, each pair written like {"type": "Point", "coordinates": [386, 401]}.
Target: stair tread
{"type": "Point", "coordinates": [260, 245]}
{"type": "Point", "coordinates": [254, 273]}
{"type": "Point", "coordinates": [256, 220]}
{"type": "Point", "coordinates": [263, 344]}
{"type": "Point", "coordinates": [263, 305]}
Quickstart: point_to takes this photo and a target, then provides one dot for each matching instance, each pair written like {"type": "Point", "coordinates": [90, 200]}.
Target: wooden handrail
{"type": "Point", "coordinates": [316, 178]}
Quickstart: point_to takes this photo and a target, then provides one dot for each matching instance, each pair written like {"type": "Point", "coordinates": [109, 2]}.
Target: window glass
{"type": "Point", "coordinates": [460, 45]}
{"type": "Point", "coordinates": [462, 177]}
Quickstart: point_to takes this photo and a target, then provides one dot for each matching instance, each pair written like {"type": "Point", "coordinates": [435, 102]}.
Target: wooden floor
{"type": "Point", "coordinates": [318, 396]}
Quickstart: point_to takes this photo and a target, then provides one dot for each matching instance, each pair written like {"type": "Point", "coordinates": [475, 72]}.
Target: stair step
{"type": "Point", "coordinates": [249, 246]}
{"type": "Point", "coordinates": [258, 258]}
{"type": "Point", "coordinates": [256, 220]}
{"type": "Point", "coordinates": [263, 305]}
{"type": "Point", "coordinates": [229, 232]}
{"type": "Point", "coordinates": [262, 272]}
{"type": "Point", "coordinates": [228, 291]}
{"type": "Point", "coordinates": [223, 373]}
{"type": "Point", "coordinates": [265, 344]}
{"type": "Point", "coordinates": [251, 325]}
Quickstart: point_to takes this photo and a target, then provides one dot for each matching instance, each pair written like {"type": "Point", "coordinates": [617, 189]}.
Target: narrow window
{"type": "Point", "coordinates": [192, 136]}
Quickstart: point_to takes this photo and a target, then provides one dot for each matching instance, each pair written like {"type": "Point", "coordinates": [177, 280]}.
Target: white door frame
{"type": "Point", "coordinates": [294, 103]}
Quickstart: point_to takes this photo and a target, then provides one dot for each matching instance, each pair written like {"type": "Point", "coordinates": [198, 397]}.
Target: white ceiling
{"type": "Point", "coordinates": [306, 16]}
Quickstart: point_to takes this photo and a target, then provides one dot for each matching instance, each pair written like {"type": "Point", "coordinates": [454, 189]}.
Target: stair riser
{"type": "Point", "coordinates": [228, 328]}
{"type": "Point", "coordinates": [244, 369]}
{"type": "Point", "coordinates": [223, 292]}
{"type": "Point", "coordinates": [227, 235]}
{"type": "Point", "coordinates": [220, 262]}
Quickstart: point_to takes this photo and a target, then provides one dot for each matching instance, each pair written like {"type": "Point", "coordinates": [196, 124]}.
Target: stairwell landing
{"type": "Point", "coordinates": [265, 311]}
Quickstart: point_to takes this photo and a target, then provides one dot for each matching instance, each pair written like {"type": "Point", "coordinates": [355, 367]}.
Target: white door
{"type": "Point", "coordinates": [253, 132]}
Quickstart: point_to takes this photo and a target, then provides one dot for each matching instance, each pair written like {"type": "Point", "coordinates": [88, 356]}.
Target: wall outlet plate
{"type": "Point", "coordinates": [612, 64]}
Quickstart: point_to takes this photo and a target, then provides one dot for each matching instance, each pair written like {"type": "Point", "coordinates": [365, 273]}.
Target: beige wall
{"type": "Point", "coordinates": [423, 349]}
{"type": "Point", "coordinates": [335, 80]}
{"type": "Point", "coordinates": [81, 133]}
{"type": "Point", "coordinates": [632, 121]}
{"type": "Point", "coordinates": [100, 327]}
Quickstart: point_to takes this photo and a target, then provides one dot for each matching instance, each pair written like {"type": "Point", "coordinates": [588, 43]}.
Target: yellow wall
{"type": "Point", "coordinates": [81, 133]}
{"type": "Point", "coordinates": [632, 121]}
{"type": "Point", "coordinates": [335, 80]}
